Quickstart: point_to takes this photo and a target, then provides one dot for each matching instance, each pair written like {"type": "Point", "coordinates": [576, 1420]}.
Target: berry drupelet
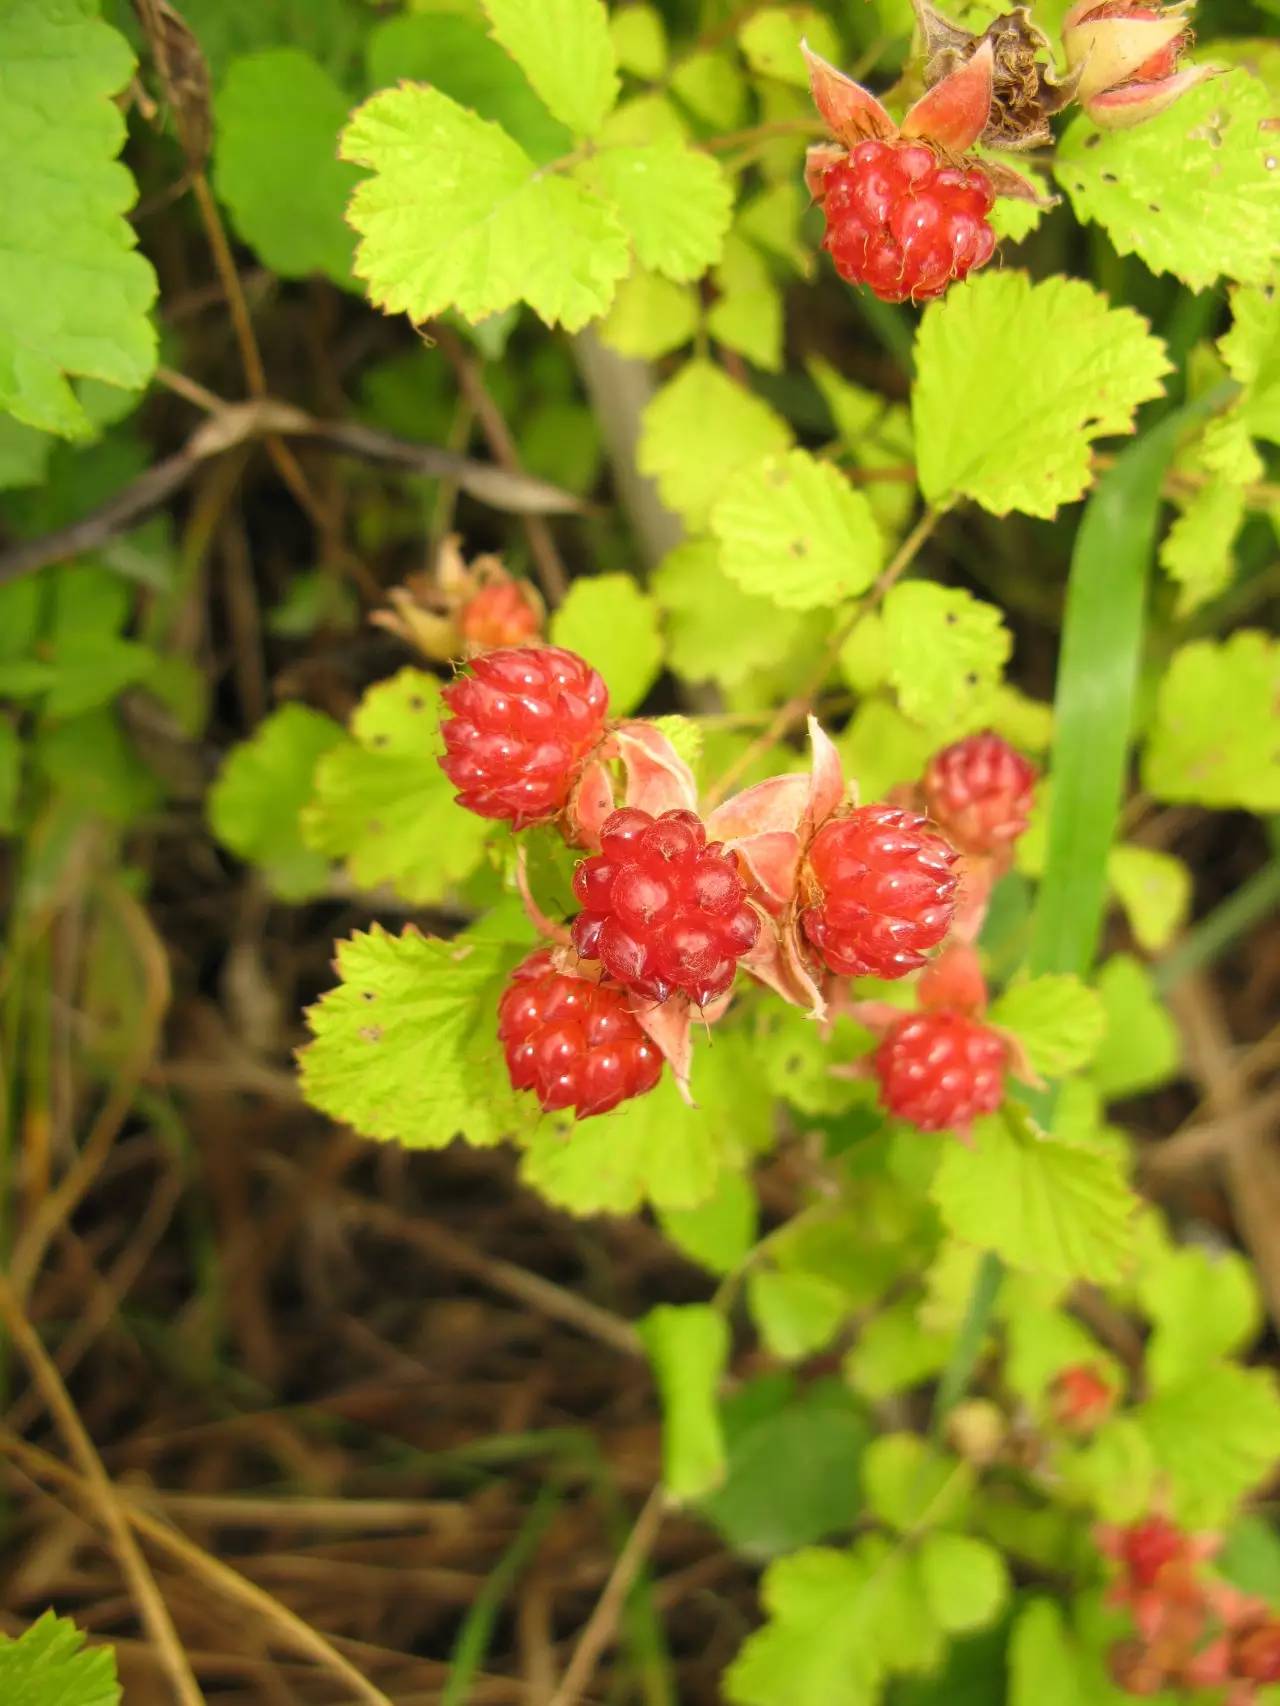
{"type": "Point", "coordinates": [903, 222]}
{"type": "Point", "coordinates": [880, 892]}
{"type": "Point", "coordinates": [521, 726]}
{"type": "Point", "coordinates": [979, 791]}
{"type": "Point", "coordinates": [661, 909]}
{"type": "Point", "coordinates": [940, 1070]}
{"type": "Point", "coordinates": [573, 1042]}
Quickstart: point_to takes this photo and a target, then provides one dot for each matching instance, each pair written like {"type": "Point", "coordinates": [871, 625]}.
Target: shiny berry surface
{"type": "Point", "coordinates": [940, 1070]}
{"type": "Point", "coordinates": [902, 222]}
{"type": "Point", "coordinates": [661, 909]}
{"type": "Point", "coordinates": [521, 724]}
{"type": "Point", "coordinates": [504, 613]}
{"type": "Point", "coordinates": [881, 892]}
{"type": "Point", "coordinates": [980, 792]}
{"type": "Point", "coordinates": [572, 1042]}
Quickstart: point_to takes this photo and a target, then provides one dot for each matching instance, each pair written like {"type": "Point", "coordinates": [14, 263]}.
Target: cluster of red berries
{"type": "Point", "coordinates": [903, 222]}
{"type": "Point", "coordinates": [669, 914]}
{"type": "Point", "coordinates": [1191, 1630]}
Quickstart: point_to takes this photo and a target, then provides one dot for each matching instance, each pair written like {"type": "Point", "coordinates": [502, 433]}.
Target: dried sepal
{"type": "Point", "coordinates": [1007, 181]}
{"type": "Point", "coordinates": [851, 113]}
{"type": "Point", "coordinates": [1026, 90]}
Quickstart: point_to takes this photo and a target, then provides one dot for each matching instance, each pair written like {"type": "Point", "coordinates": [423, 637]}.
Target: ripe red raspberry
{"type": "Point", "coordinates": [662, 910]}
{"type": "Point", "coordinates": [902, 222]}
{"type": "Point", "coordinates": [1147, 1548]}
{"type": "Point", "coordinates": [979, 791]}
{"type": "Point", "coordinates": [503, 613]}
{"type": "Point", "coordinates": [1081, 1398]}
{"type": "Point", "coordinates": [940, 1070]}
{"type": "Point", "coordinates": [881, 892]}
{"type": "Point", "coordinates": [572, 1042]}
{"type": "Point", "coordinates": [522, 724]}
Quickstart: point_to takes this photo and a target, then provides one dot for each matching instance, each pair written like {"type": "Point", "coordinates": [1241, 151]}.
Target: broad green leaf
{"type": "Point", "coordinates": [564, 49]}
{"type": "Point", "coordinates": [1016, 434]}
{"type": "Point", "coordinates": [911, 1484]}
{"type": "Point", "coordinates": [90, 759]}
{"type": "Point", "coordinates": [1040, 1343]}
{"type": "Point", "coordinates": [1155, 890]}
{"type": "Point", "coordinates": [1251, 1557]}
{"type": "Point", "coordinates": [457, 215]}
{"type": "Point", "coordinates": [1044, 1667]}
{"type": "Point", "coordinates": [330, 31]}
{"type": "Point", "coordinates": [895, 1351]}
{"type": "Point", "coordinates": [1189, 192]}
{"type": "Point", "coordinates": [1056, 1018]}
{"type": "Point", "coordinates": [881, 748]}
{"type": "Point", "coordinates": [715, 630]}
{"type": "Point", "coordinates": [712, 87]}
{"type": "Point", "coordinates": [674, 202]}
{"type": "Point", "coordinates": [684, 735]}
{"type": "Point", "coordinates": [945, 652]}
{"type": "Point", "coordinates": [771, 220]}
{"type": "Point", "coordinates": [817, 1647]}
{"type": "Point", "coordinates": [609, 621]}
{"type": "Point", "coordinates": [794, 530]}
{"type": "Point", "coordinates": [24, 454]}
{"type": "Point", "coordinates": [799, 1055]}
{"type": "Point", "coordinates": [1140, 1047]}
{"type": "Point", "coordinates": [1204, 1305]}
{"type": "Point", "coordinates": [689, 1348]}
{"type": "Point", "coordinates": [49, 1665]}
{"type": "Point", "coordinates": [1044, 1205]}
{"type": "Point", "coordinates": [747, 313]}
{"type": "Point", "coordinates": [966, 1583]}
{"type": "Point", "coordinates": [877, 435]}
{"type": "Point", "coordinates": [650, 316]}
{"type": "Point", "coordinates": [1199, 549]}
{"type": "Point", "coordinates": [690, 463]}
{"type": "Point", "coordinates": [1213, 741]}
{"type": "Point", "coordinates": [255, 806]}
{"type": "Point", "coordinates": [770, 41]}
{"type": "Point", "coordinates": [405, 1048]}
{"type": "Point", "coordinates": [1113, 1472]}
{"type": "Point", "coordinates": [1216, 1437]}
{"type": "Point", "coordinates": [640, 40]}
{"type": "Point", "coordinates": [278, 117]}
{"type": "Point", "coordinates": [1251, 350]}
{"type": "Point", "coordinates": [382, 802]}
{"type": "Point", "coordinates": [795, 1313]}
{"type": "Point", "coordinates": [458, 57]}
{"type": "Point", "coordinates": [718, 1233]}
{"type": "Point", "coordinates": [74, 293]}
{"type": "Point", "coordinates": [793, 1459]}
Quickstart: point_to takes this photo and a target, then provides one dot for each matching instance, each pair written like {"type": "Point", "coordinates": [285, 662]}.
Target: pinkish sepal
{"type": "Point", "coordinates": [852, 113]}
{"type": "Point", "coordinates": [826, 781]}
{"type": "Point", "coordinates": [589, 805]}
{"type": "Point", "coordinates": [818, 161]}
{"type": "Point", "coordinates": [669, 1027]}
{"type": "Point", "coordinates": [954, 113]}
{"type": "Point", "coordinates": [658, 779]}
{"type": "Point", "coordinates": [778, 963]}
{"type": "Point", "coordinates": [1120, 109]}
{"type": "Point", "coordinates": [1109, 50]}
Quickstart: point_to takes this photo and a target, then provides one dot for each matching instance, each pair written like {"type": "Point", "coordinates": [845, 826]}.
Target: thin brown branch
{"type": "Point", "coordinates": [602, 1625]}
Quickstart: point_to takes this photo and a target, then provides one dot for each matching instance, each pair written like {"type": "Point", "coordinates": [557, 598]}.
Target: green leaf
{"type": "Point", "coordinates": [650, 316]}
{"type": "Point", "coordinates": [278, 117]}
{"type": "Point", "coordinates": [1056, 1018]}
{"type": "Point", "coordinates": [1047, 1206]}
{"type": "Point", "coordinates": [1213, 740]}
{"type": "Point", "coordinates": [718, 1233]}
{"type": "Point", "coordinates": [1113, 1472]}
{"type": "Point", "coordinates": [1251, 351]}
{"type": "Point", "coordinates": [456, 56]}
{"type": "Point", "coordinates": [881, 748]}
{"type": "Point", "coordinates": [382, 802]}
{"type": "Point", "coordinates": [712, 87]}
{"type": "Point", "coordinates": [910, 1484]}
{"type": "Point", "coordinates": [329, 30]}
{"type": "Point", "coordinates": [49, 1665]}
{"type": "Point", "coordinates": [1251, 1557]}
{"type": "Point", "coordinates": [793, 1457]}
{"type": "Point", "coordinates": [747, 313]}
{"type": "Point", "coordinates": [406, 1046]}
{"type": "Point", "coordinates": [564, 49]}
{"type": "Point", "coordinates": [1190, 191]}
{"type": "Point", "coordinates": [691, 464]}
{"type": "Point", "coordinates": [770, 41]}
{"type": "Point", "coordinates": [795, 1313]}
{"type": "Point", "coordinates": [877, 435]}
{"type": "Point", "coordinates": [685, 736]}
{"type": "Point", "coordinates": [794, 530]}
{"type": "Point", "coordinates": [1040, 1343]}
{"type": "Point", "coordinates": [74, 294]}
{"type": "Point", "coordinates": [458, 216]}
{"type": "Point", "coordinates": [1204, 1304]}
{"type": "Point", "coordinates": [640, 41]}
{"type": "Point", "coordinates": [675, 203]}
{"type": "Point", "coordinates": [715, 630]}
{"type": "Point", "coordinates": [1199, 549]}
{"type": "Point", "coordinates": [816, 1649]}
{"type": "Point", "coordinates": [609, 621]}
{"type": "Point", "coordinates": [895, 1351]}
{"type": "Point", "coordinates": [1015, 434]}
{"type": "Point", "coordinates": [1044, 1669]}
{"type": "Point", "coordinates": [966, 1583]}
{"type": "Point", "coordinates": [11, 758]}
{"type": "Point", "coordinates": [1140, 1048]}
{"type": "Point", "coordinates": [689, 1349]}
{"type": "Point", "coordinates": [255, 806]}
{"type": "Point", "coordinates": [24, 454]}
{"type": "Point", "coordinates": [945, 651]}
{"type": "Point", "coordinates": [1155, 890]}
{"type": "Point", "coordinates": [1215, 1437]}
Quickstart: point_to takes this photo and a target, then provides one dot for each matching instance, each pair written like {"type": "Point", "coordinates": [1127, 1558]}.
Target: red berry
{"type": "Point", "coordinates": [1148, 1547]}
{"type": "Point", "coordinates": [979, 791]}
{"type": "Point", "coordinates": [883, 892]}
{"type": "Point", "coordinates": [574, 1043]}
{"type": "Point", "coordinates": [522, 724]}
{"type": "Point", "coordinates": [1081, 1398]}
{"type": "Point", "coordinates": [902, 222]}
{"type": "Point", "coordinates": [940, 1070]}
{"type": "Point", "coordinates": [1255, 1649]}
{"type": "Point", "coordinates": [503, 613]}
{"type": "Point", "coordinates": [662, 909]}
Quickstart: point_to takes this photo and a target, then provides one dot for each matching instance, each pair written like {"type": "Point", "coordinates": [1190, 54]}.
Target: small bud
{"type": "Point", "coordinates": [1126, 58]}
{"type": "Point", "coordinates": [1081, 1399]}
{"type": "Point", "coordinates": [503, 612]}
{"type": "Point", "coordinates": [977, 1430]}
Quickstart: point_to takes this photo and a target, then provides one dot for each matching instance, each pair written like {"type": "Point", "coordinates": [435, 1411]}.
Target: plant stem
{"type": "Point", "coordinates": [968, 1346]}
{"type": "Point", "coordinates": [1211, 938]}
